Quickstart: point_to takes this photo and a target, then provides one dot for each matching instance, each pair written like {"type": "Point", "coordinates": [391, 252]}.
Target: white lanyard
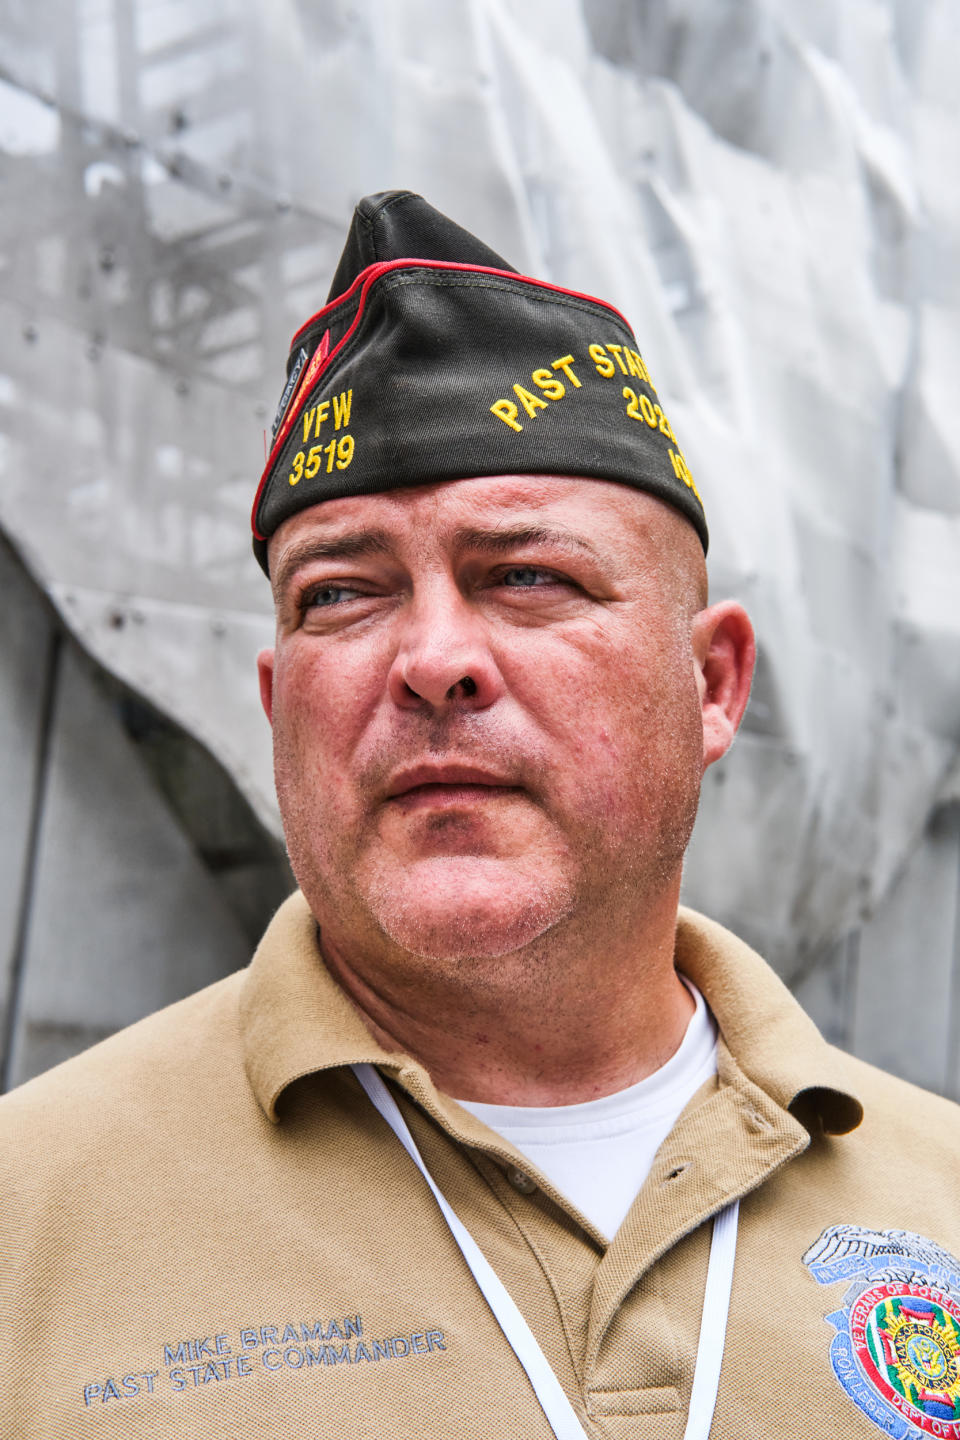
{"type": "Point", "coordinates": [560, 1414]}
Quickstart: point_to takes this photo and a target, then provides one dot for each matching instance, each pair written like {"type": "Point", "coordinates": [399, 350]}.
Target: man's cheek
{"type": "Point", "coordinates": [305, 708]}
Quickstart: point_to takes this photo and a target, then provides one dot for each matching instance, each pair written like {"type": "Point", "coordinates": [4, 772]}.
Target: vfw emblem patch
{"type": "Point", "coordinates": [896, 1350]}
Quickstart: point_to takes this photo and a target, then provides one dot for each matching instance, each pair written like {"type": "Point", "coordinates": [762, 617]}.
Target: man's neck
{"type": "Point", "coordinates": [563, 1022]}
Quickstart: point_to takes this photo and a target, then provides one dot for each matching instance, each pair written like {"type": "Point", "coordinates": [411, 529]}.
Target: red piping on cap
{"type": "Point", "coordinates": [319, 361]}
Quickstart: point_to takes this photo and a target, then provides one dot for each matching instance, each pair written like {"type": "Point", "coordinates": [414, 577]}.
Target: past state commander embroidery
{"type": "Point", "coordinates": [896, 1350]}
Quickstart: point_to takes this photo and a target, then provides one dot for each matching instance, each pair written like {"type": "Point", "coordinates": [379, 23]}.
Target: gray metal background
{"type": "Point", "coordinates": [767, 188]}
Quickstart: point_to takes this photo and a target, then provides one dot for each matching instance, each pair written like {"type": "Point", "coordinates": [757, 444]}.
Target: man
{"type": "Point", "coordinates": [488, 1140]}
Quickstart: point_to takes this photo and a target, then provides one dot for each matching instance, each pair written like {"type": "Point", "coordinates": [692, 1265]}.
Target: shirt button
{"type": "Point", "coordinates": [520, 1181]}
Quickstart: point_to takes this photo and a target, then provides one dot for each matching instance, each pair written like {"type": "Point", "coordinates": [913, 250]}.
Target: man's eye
{"type": "Point", "coordinates": [327, 595]}
{"type": "Point", "coordinates": [526, 576]}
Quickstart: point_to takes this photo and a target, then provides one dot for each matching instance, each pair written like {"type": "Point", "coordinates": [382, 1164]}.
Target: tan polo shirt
{"type": "Point", "coordinates": [207, 1231]}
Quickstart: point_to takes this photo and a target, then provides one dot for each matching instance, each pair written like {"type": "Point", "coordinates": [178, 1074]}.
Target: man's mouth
{"type": "Point", "coordinates": [447, 786]}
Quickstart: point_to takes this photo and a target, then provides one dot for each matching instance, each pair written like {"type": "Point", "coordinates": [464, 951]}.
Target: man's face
{"type": "Point", "coordinates": [485, 708]}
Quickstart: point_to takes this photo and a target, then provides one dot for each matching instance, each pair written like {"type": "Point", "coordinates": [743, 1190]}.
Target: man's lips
{"type": "Point", "coordinates": [447, 785]}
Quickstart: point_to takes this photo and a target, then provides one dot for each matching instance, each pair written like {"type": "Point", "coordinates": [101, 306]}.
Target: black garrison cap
{"type": "Point", "coordinates": [433, 359]}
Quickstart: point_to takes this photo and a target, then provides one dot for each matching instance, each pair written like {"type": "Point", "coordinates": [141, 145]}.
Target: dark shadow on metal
{"type": "Point", "coordinates": [41, 774]}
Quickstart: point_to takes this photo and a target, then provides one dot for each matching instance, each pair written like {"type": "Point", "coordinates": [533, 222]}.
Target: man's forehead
{"type": "Point", "coordinates": [452, 510]}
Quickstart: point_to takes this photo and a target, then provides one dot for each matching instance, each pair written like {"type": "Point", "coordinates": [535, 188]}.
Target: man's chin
{"type": "Point", "coordinates": [467, 907]}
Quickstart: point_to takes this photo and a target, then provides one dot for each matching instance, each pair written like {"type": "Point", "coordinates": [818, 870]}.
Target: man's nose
{"type": "Point", "coordinates": [444, 657]}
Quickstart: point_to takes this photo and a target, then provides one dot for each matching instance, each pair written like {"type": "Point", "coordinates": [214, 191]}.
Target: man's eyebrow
{"type": "Point", "coordinates": [499, 540]}
{"type": "Point", "coordinates": [339, 547]}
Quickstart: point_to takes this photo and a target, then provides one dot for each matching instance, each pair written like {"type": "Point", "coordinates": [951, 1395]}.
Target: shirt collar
{"type": "Point", "coordinates": [295, 1020]}
{"type": "Point", "coordinates": [772, 1040]}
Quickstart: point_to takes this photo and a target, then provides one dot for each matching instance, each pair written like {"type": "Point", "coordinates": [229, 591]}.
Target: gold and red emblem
{"type": "Point", "coordinates": [907, 1339]}
{"type": "Point", "coordinates": [896, 1347]}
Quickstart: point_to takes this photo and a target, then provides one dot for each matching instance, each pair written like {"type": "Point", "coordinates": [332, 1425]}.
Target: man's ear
{"type": "Point", "coordinates": [265, 673]}
{"type": "Point", "coordinates": [724, 648]}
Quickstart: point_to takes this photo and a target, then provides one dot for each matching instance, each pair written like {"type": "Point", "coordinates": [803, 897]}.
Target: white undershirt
{"type": "Point", "coordinates": [599, 1153]}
